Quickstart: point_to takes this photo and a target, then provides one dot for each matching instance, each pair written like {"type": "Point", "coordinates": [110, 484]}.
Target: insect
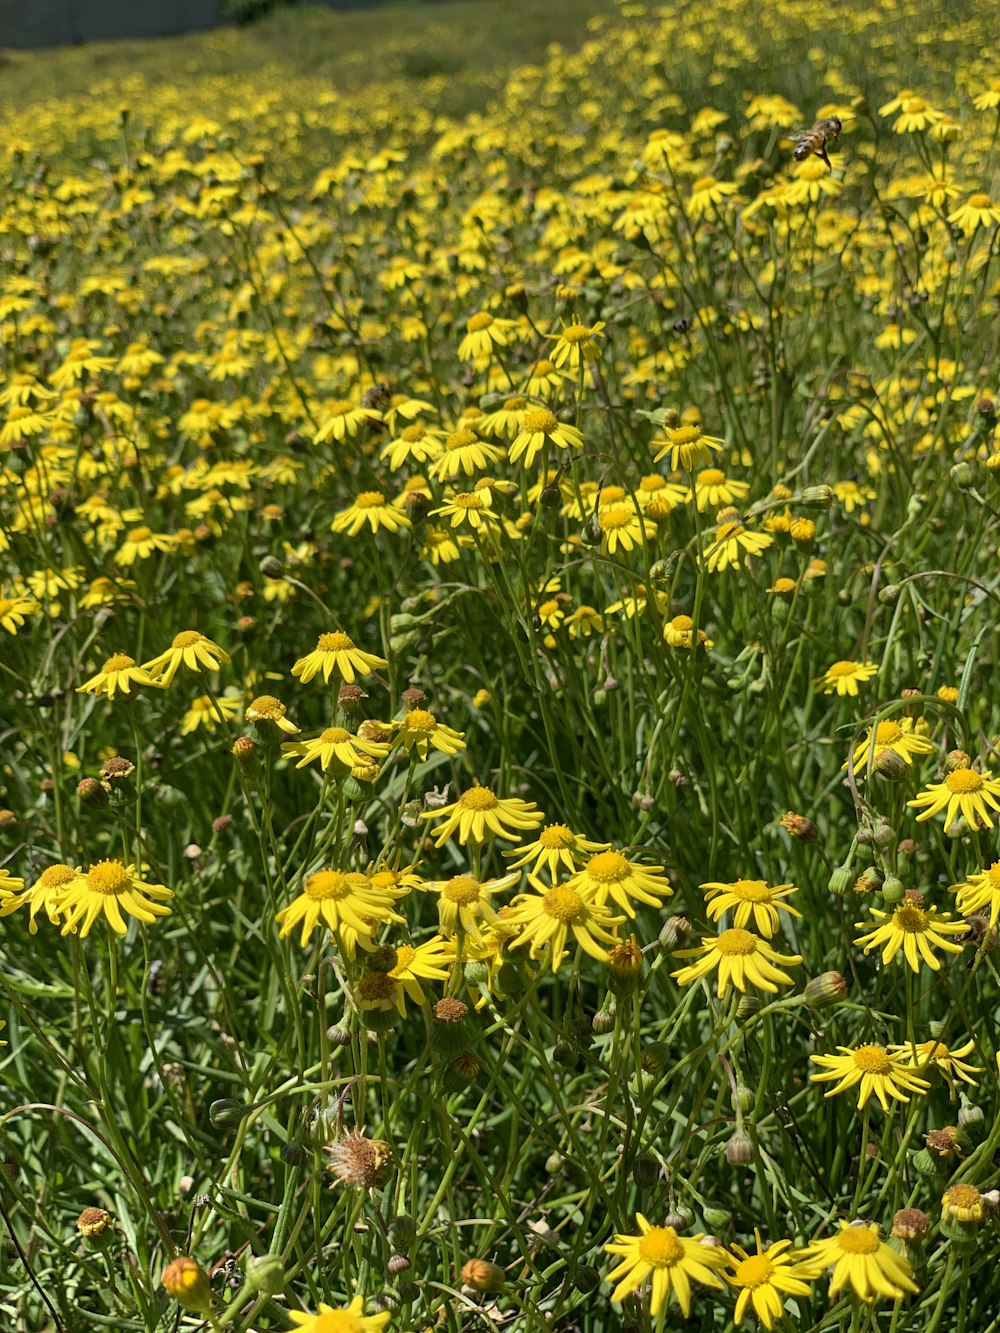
{"type": "Point", "coordinates": [817, 140]}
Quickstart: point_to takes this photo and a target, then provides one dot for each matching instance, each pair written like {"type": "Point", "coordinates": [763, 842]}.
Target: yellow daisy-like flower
{"type": "Point", "coordinates": [706, 193]}
{"type": "Point", "coordinates": [464, 452]}
{"type": "Point", "coordinates": [748, 898]}
{"type": "Point", "coordinates": [914, 929]}
{"type": "Point", "coordinates": [731, 543]}
{"type": "Point", "coordinates": [981, 890]}
{"type": "Point", "coordinates": [686, 447]}
{"type": "Point", "coordinates": [347, 903]}
{"type": "Point", "coordinates": [430, 961]}
{"type": "Point", "coordinates": [268, 714]}
{"type": "Point", "coordinates": [556, 847]}
{"type": "Point", "coordinates": [623, 527]}
{"type": "Point", "coordinates": [963, 792]}
{"type": "Point", "coordinates": [345, 1319]}
{"type": "Point", "coordinates": [473, 508]}
{"type": "Point", "coordinates": [538, 428]}
{"type": "Point", "coordinates": [464, 902]}
{"type": "Point", "coordinates": [934, 1054]}
{"type": "Point", "coordinates": [420, 730]}
{"type": "Point", "coordinates": [47, 892]}
{"type": "Point", "coordinates": [763, 1280]}
{"type": "Point", "coordinates": [108, 889]}
{"type": "Point", "coordinates": [713, 489]}
{"type": "Point", "coordinates": [979, 210]}
{"type": "Point", "coordinates": [878, 1070]}
{"type": "Point", "coordinates": [342, 420]}
{"type": "Point", "coordinates": [610, 874]}
{"type": "Point", "coordinates": [189, 649]}
{"type": "Point", "coordinates": [545, 918]}
{"type": "Point", "coordinates": [336, 652]}
{"type": "Point", "coordinates": [861, 1259]}
{"type": "Point", "coordinates": [335, 746]}
{"type": "Point", "coordinates": [741, 959]}
{"type": "Point", "coordinates": [895, 736]}
{"type": "Point", "coordinates": [670, 1262]}
{"type": "Point", "coordinates": [845, 677]}
{"type": "Point", "coordinates": [678, 632]}
{"type": "Point", "coordinates": [479, 814]}
{"type": "Point", "coordinates": [14, 609]}
{"type": "Point", "coordinates": [119, 672]}
{"type": "Point", "coordinates": [205, 710]}
{"type": "Point", "coordinates": [483, 332]}
{"type": "Point", "coordinates": [575, 344]}
{"type": "Point", "coordinates": [369, 507]}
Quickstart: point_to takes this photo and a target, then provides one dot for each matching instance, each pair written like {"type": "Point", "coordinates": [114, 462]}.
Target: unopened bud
{"type": "Point", "coordinates": [891, 766]}
{"type": "Point", "coordinates": [826, 989]}
{"type": "Point", "coordinates": [739, 1149]}
{"type": "Point", "coordinates": [816, 497]}
{"type": "Point", "coordinates": [892, 890]}
{"type": "Point", "coordinates": [956, 759]}
{"type": "Point", "coordinates": [271, 567]}
{"type": "Point", "coordinates": [673, 933]}
{"type": "Point", "coordinates": [913, 706]}
{"type": "Point", "coordinates": [624, 967]}
{"type": "Point", "coordinates": [266, 1274]}
{"type": "Point", "coordinates": [841, 880]}
{"type": "Point", "coordinates": [247, 755]}
{"type": "Point", "coordinates": [962, 476]}
{"type": "Point", "coordinates": [226, 1113]}
{"type": "Point", "coordinates": [716, 1217]}
{"type": "Point", "coordinates": [646, 1170]}
{"type": "Point", "coordinates": [187, 1282]}
{"type": "Point", "coordinates": [483, 1276]}
{"type": "Point", "coordinates": [92, 792]}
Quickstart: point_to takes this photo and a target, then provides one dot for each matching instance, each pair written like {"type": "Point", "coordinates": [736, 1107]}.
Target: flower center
{"type": "Point", "coordinates": [470, 500]}
{"type": "Point", "coordinates": [843, 669]}
{"type": "Point", "coordinates": [140, 534]}
{"type": "Point", "coordinates": [481, 321]}
{"type": "Point", "coordinates": [962, 1196]}
{"type": "Point", "coordinates": [575, 333]}
{"type": "Point", "coordinates": [871, 1059]}
{"type": "Point", "coordinates": [964, 780]}
{"type": "Point", "coordinates": [405, 954]}
{"type": "Point", "coordinates": [703, 183]}
{"type": "Point", "coordinates": [516, 404]}
{"type": "Point", "coordinates": [326, 884]}
{"type": "Point", "coordinates": [369, 500]}
{"type": "Point", "coordinates": [711, 477]}
{"type": "Point", "coordinates": [335, 736]}
{"type": "Point", "coordinates": [608, 867]}
{"type": "Point", "coordinates": [462, 438]}
{"type": "Point", "coordinates": [461, 890]}
{"type": "Point", "coordinates": [340, 408]}
{"type": "Point", "coordinates": [119, 662]}
{"type": "Point", "coordinates": [994, 875]}
{"type": "Point", "coordinates": [266, 706]}
{"type": "Point", "coordinates": [554, 837]}
{"type": "Point", "coordinates": [334, 643]}
{"type": "Point", "coordinates": [110, 878]}
{"type": "Point", "coordinates": [888, 733]}
{"type": "Point", "coordinates": [752, 890]}
{"type": "Point", "coordinates": [54, 877]}
{"type": "Point", "coordinates": [187, 639]}
{"type": "Point", "coordinates": [911, 919]}
{"type": "Point", "coordinates": [682, 624]}
{"type": "Point", "coordinates": [615, 517]}
{"type": "Point", "coordinates": [418, 719]}
{"type": "Point", "coordinates": [980, 201]}
{"type": "Point", "coordinates": [661, 1247]}
{"type": "Point", "coordinates": [543, 368]}
{"type": "Point", "coordinates": [478, 798]}
{"type": "Point", "coordinates": [736, 941]}
{"type": "Point", "coordinates": [564, 904]}
{"type": "Point", "coordinates": [412, 433]}
{"type": "Point", "coordinates": [755, 1271]}
{"type": "Point", "coordinates": [539, 420]}
{"type": "Point", "coordinates": [858, 1240]}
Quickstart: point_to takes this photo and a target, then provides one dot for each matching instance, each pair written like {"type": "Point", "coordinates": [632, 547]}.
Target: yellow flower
{"type": "Point", "coordinates": [935, 1054]}
{"type": "Point", "coordinates": [610, 874]}
{"type": "Point", "coordinates": [341, 421]}
{"type": "Point", "coordinates": [15, 608]}
{"type": "Point", "coordinates": [713, 489]}
{"type": "Point", "coordinates": [669, 1261]}
{"type": "Point", "coordinates": [979, 210]}
{"type": "Point", "coordinates": [335, 746]}
{"type": "Point", "coordinates": [348, 904]}
{"type": "Point", "coordinates": [679, 633]}
{"type": "Point", "coordinates": [741, 958]}
{"type": "Point", "coordinates": [915, 929]}
{"type": "Point", "coordinates": [575, 344]}
{"type": "Point", "coordinates": [731, 543]}
{"type": "Point", "coordinates": [109, 888]}
{"type": "Point", "coordinates": [346, 1319]}
{"type": "Point", "coordinates": [686, 447]}
{"type": "Point", "coordinates": [474, 508]}
{"type": "Point", "coordinates": [623, 526]}
{"type": "Point", "coordinates": [963, 792]}
{"type": "Point", "coordinates": [205, 710]}
{"type": "Point", "coordinates": [189, 649]}
{"type": "Point", "coordinates": [464, 902]}
{"type": "Point", "coordinates": [878, 1070]}
{"type": "Point", "coordinates": [47, 891]}
{"type": "Point", "coordinates": [140, 543]}
{"type": "Point", "coordinates": [545, 918]}
{"type": "Point", "coordinates": [369, 507]}
{"type": "Point", "coordinates": [763, 1279]}
{"type": "Point", "coordinates": [538, 428]}
{"type": "Point", "coordinates": [268, 714]}
{"type": "Point", "coordinates": [479, 814]}
{"type": "Point", "coordinates": [980, 890]}
{"type": "Point", "coordinates": [859, 1257]}
{"type": "Point", "coordinates": [484, 332]}
{"type": "Point", "coordinates": [749, 898]}
{"type": "Point", "coordinates": [895, 736]}
{"type": "Point", "coordinates": [337, 652]}
{"type": "Point", "coordinates": [844, 677]}
{"type": "Point", "coordinates": [419, 729]}
{"type": "Point", "coordinates": [464, 452]}
{"type": "Point", "coordinates": [119, 672]}
{"type": "Point", "coordinates": [556, 847]}
{"type": "Point", "coordinates": [706, 193]}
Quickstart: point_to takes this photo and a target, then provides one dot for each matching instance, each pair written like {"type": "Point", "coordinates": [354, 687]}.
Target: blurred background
{"type": "Point", "coordinates": [66, 22]}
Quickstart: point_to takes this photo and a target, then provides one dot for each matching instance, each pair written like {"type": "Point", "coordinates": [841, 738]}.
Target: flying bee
{"type": "Point", "coordinates": [818, 139]}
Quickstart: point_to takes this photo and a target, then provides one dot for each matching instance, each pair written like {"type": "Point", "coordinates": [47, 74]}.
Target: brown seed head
{"type": "Point", "coordinates": [94, 1221]}
{"type": "Point", "coordinates": [359, 1162]}
{"type": "Point", "coordinates": [911, 1224]}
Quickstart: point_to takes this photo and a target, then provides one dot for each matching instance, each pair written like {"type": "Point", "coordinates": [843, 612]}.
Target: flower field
{"type": "Point", "coordinates": [498, 621]}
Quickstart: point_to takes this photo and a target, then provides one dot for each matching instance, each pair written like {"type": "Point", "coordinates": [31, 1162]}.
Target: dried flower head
{"type": "Point", "coordinates": [359, 1162]}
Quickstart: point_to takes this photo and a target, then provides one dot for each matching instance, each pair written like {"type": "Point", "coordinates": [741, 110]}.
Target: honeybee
{"type": "Point", "coordinates": [816, 140]}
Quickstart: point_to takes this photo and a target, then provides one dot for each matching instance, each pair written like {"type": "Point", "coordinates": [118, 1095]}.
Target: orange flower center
{"type": "Point", "coordinates": [754, 1272]}
{"type": "Point", "coordinates": [858, 1240]}
{"type": "Point", "coordinates": [964, 780]}
{"type": "Point", "coordinates": [110, 878]}
{"type": "Point", "coordinates": [334, 643]}
{"type": "Point", "coordinates": [327, 884]}
{"type": "Point", "coordinates": [565, 905]}
{"type": "Point", "coordinates": [608, 867]}
{"type": "Point", "coordinates": [478, 798]}
{"type": "Point", "coordinates": [461, 890]}
{"type": "Point", "coordinates": [736, 942]}
{"type": "Point", "coordinates": [539, 420]}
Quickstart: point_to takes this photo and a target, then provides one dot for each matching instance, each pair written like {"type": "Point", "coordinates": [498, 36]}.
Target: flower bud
{"type": "Point", "coordinates": [624, 967]}
{"type": "Point", "coordinates": [271, 567]}
{"type": "Point", "coordinates": [891, 766]}
{"type": "Point", "coordinates": [586, 1279]}
{"type": "Point", "coordinates": [742, 1098]}
{"type": "Point", "coordinates": [483, 1276]}
{"type": "Point", "coordinates": [869, 881]}
{"type": "Point", "coordinates": [448, 1025]}
{"type": "Point", "coordinates": [716, 1217]}
{"type": "Point", "coordinates": [266, 1274]}
{"type": "Point", "coordinates": [646, 1170]}
{"type": "Point", "coordinates": [402, 1231]}
{"type": "Point", "coordinates": [398, 1263]}
{"type": "Point", "coordinates": [956, 759]}
{"type": "Point", "coordinates": [826, 989]}
{"type": "Point", "coordinates": [91, 792]}
{"type": "Point", "coordinates": [913, 707]}
{"type": "Point", "coordinates": [747, 1008]}
{"type": "Point", "coordinates": [739, 1149]}
{"type": "Point", "coordinates": [187, 1282]}
{"type": "Point", "coordinates": [604, 1020]}
{"type": "Point", "coordinates": [226, 1113]}
{"type": "Point", "coordinates": [799, 827]}
{"type": "Point", "coordinates": [293, 1153]}
{"type": "Point", "coordinates": [962, 476]}
{"type": "Point", "coordinates": [892, 891]}
{"type": "Point", "coordinates": [247, 756]}
{"type": "Point", "coordinates": [816, 497]}
{"type": "Point", "coordinates": [841, 880]}
{"type": "Point", "coordinates": [890, 594]}
{"type": "Point", "coordinates": [883, 835]}
{"type": "Point", "coordinates": [673, 933]}
{"type": "Point", "coordinates": [970, 1116]}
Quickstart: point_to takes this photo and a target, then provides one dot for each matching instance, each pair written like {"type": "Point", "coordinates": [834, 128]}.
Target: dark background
{"type": "Point", "coordinates": [29, 23]}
